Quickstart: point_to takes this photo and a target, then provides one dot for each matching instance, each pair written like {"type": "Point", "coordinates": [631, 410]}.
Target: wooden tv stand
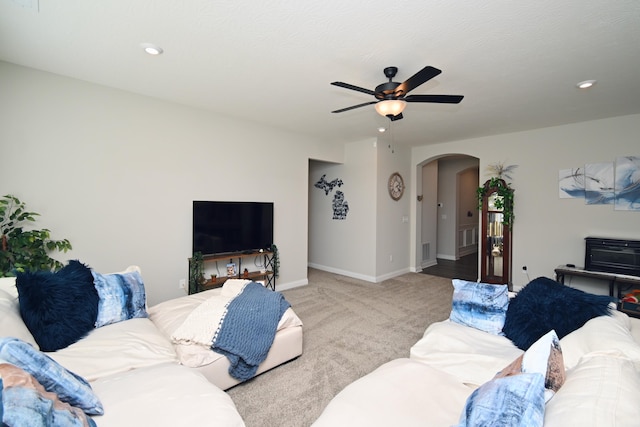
{"type": "Point", "coordinates": [621, 281]}
{"type": "Point", "coordinates": [268, 263]}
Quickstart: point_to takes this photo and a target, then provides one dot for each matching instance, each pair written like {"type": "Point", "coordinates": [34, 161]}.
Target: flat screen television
{"type": "Point", "coordinates": [231, 227]}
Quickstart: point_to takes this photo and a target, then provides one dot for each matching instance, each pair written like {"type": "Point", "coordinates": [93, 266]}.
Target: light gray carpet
{"type": "Point", "coordinates": [350, 328]}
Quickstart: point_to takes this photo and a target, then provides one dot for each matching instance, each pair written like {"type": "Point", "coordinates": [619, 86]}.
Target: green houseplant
{"type": "Point", "coordinates": [196, 272]}
{"type": "Point", "coordinates": [25, 250]}
{"type": "Point", "coordinates": [276, 260]}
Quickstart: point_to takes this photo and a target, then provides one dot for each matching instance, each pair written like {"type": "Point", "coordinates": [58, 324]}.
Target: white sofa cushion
{"type": "Point", "coordinates": [118, 347]}
{"type": "Point", "coordinates": [163, 395]}
{"type": "Point", "coordinates": [600, 390]}
{"type": "Point", "coordinates": [601, 333]}
{"type": "Point", "coordinates": [169, 316]}
{"type": "Point", "coordinates": [11, 324]}
{"type": "Point", "coordinates": [403, 393]}
{"type": "Point", "coordinates": [8, 284]}
{"type": "Point", "coordinates": [471, 355]}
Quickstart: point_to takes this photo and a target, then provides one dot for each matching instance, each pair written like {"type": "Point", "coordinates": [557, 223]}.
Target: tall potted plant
{"type": "Point", "coordinates": [25, 250]}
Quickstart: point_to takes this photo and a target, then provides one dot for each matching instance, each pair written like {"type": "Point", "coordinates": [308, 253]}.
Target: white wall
{"type": "Point", "coordinates": [371, 243]}
{"type": "Point", "coordinates": [393, 217]}
{"type": "Point", "coordinates": [549, 231]}
{"type": "Point", "coordinates": [428, 214]}
{"type": "Point", "coordinates": [467, 218]}
{"type": "Point", "coordinates": [116, 173]}
{"type": "Point", "coordinates": [448, 170]}
{"type": "Point", "coordinates": [345, 246]}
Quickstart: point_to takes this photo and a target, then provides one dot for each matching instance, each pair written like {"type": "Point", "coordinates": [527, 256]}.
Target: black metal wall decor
{"type": "Point", "coordinates": [323, 184]}
{"type": "Point", "coordinates": [339, 205]}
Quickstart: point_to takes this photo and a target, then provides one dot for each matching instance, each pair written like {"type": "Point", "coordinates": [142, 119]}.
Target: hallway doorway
{"type": "Point", "coordinates": [465, 268]}
{"type": "Point", "coordinates": [447, 232]}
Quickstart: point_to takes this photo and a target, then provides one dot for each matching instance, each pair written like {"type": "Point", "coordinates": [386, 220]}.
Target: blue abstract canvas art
{"type": "Point", "coordinates": [627, 183]}
{"type": "Point", "coordinates": [599, 183]}
{"type": "Point", "coordinates": [571, 183]}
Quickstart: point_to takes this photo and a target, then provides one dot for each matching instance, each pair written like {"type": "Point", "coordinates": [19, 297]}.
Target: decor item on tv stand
{"type": "Point", "coordinates": [22, 250]}
{"type": "Point", "coordinates": [495, 200]}
{"type": "Point", "coordinates": [267, 272]}
{"type": "Point", "coordinates": [196, 273]}
{"type": "Point", "coordinates": [275, 260]}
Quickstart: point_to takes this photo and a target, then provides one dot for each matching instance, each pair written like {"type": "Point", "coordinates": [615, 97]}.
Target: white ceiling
{"type": "Point", "coordinates": [516, 62]}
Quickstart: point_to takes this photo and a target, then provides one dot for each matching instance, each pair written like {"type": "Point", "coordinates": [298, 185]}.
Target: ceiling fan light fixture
{"type": "Point", "coordinates": [390, 107]}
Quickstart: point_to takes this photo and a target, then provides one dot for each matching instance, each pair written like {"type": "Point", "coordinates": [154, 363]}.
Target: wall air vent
{"type": "Point", "coordinates": [426, 251]}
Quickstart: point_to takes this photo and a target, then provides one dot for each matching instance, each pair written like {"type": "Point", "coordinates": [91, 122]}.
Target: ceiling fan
{"type": "Point", "coordinates": [391, 97]}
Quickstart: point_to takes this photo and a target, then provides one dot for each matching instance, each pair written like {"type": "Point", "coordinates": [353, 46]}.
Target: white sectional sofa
{"type": "Point", "coordinates": [433, 386]}
{"type": "Point", "coordinates": [133, 367]}
{"type": "Point", "coordinates": [168, 316]}
{"type": "Point", "coordinates": [134, 371]}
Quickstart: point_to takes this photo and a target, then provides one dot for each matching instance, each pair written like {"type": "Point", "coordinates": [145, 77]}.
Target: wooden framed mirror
{"type": "Point", "coordinates": [497, 222]}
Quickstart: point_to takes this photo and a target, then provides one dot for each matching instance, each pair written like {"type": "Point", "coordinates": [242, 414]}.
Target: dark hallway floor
{"type": "Point", "coordinates": [465, 268]}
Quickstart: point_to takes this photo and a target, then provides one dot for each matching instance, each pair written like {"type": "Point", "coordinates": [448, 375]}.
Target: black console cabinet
{"type": "Point", "coordinates": [612, 256]}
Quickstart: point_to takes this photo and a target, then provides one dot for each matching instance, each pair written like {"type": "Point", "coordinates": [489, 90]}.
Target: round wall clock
{"type": "Point", "coordinates": [396, 186]}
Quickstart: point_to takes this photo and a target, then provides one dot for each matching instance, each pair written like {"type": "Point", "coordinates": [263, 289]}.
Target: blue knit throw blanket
{"type": "Point", "coordinates": [247, 330]}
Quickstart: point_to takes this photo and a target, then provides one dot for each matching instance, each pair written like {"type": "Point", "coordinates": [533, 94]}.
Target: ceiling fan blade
{"type": "Point", "coordinates": [352, 87]}
{"type": "Point", "coordinates": [394, 118]}
{"type": "Point", "coordinates": [441, 99]}
{"type": "Point", "coordinates": [354, 106]}
{"type": "Point", "coordinates": [427, 73]}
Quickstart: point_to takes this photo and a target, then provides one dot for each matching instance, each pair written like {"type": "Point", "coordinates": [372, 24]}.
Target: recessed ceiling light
{"type": "Point", "coordinates": [151, 49]}
{"type": "Point", "coordinates": [381, 129]}
{"type": "Point", "coordinates": [586, 84]}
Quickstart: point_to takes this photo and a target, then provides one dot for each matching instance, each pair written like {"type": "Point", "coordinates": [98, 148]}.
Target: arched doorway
{"type": "Point", "coordinates": [448, 235]}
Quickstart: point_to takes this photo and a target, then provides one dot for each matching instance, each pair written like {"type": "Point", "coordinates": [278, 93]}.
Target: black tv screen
{"type": "Point", "coordinates": [221, 227]}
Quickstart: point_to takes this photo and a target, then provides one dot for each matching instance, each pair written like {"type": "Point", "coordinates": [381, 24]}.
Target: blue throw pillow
{"type": "Point", "coordinates": [479, 305]}
{"type": "Point", "coordinates": [544, 305]}
{"type": "Point", "coordinates": [122, 297]}
{"type": "Point", "coordinates": [69, 387]}
{"type": "Point", "coordinates": [514, 401]}
{"type": "Point", "coordinates": [25, 402]}
{"type": "Point", "coordinates": [59, 307]}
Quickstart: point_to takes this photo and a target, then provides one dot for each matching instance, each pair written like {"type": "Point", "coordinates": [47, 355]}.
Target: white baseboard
{"type": "Point", "coordinates": [291, 285]}
{"type": "Point", "coordinates": [359, 276]}
{"type": "Point", "coordinates": [392, 274]}
{"type": "Point", "coordinates": [430, 263]}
